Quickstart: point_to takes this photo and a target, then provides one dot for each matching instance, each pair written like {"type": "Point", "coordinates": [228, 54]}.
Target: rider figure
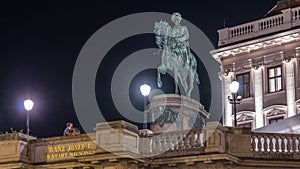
{"type": "Point", "coordinates": [180, 36]}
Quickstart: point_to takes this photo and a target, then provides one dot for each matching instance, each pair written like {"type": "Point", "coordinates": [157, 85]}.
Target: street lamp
{"type": "Point", "coordinates": [234, 98]}
{"type": "Point", "coordinates": [145, 90]}
{"type": "Point", "coordinates": [28, 105]}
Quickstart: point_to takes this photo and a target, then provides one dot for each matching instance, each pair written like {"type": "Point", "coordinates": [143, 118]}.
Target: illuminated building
{"type": "Point", "coordinates": [263, 56]}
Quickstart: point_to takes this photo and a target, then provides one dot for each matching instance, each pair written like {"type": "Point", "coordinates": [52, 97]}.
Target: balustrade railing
{"type": "Point", "coordinates": [275, 143]}
{"type": "Point", "coordinates": [174, 142]}
{"type": "Point", "coordinates": [287, 19]}
{"type": "Point", "coordinates": [241, 30]}
{"type": "Point", "coordinates": [296, 13]}
{"type": "Point", "coordinates": [270, 22]}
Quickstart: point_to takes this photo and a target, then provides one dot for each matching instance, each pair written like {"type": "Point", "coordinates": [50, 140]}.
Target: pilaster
{"type": "Point", "coordinates": [227, 116]}
{"type": "Point", "coordinates": [258, 96]}
{"type": "Point", "coordinates": [290, 87]}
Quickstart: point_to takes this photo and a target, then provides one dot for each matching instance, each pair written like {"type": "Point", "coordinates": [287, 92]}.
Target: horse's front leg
{"type": "Point", "coordinates": [159, 82]}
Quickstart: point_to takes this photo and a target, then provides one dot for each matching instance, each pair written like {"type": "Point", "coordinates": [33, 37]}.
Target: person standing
{"type": "Point", "coordinates": [68, 129]}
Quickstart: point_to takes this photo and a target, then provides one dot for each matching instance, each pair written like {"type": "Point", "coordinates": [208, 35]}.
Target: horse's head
{"type": "Point", "coordinates": [162, 31]}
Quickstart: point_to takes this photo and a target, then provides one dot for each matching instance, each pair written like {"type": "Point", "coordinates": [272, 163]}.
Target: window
{"type": "Point", "coordinates": [244, 81]}
{"type": "Point", "coordinates": [276, 119]}
{"type": "Point", "coordinates": [275, 79]}
{"type": "Point", "coordinates": [245, 125]}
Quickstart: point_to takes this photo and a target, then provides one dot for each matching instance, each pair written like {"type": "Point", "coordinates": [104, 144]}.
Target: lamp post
{"type": "Point", "coordinates": [28, 105]}
{"type": "Point", "coordinates": [234, 99]}
{"type": "Point", "coordinates": [145, 90]}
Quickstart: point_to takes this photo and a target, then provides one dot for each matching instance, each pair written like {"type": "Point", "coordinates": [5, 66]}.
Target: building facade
{"type": "Point", "coordinates": [264, 57]}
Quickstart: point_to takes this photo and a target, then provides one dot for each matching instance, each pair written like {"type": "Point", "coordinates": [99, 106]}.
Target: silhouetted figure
{"type": "Point", "coordinates": [70, 130]}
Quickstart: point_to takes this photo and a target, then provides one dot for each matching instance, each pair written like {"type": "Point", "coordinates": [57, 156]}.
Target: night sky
{"type": "Point", "coordinates": [40, 43]}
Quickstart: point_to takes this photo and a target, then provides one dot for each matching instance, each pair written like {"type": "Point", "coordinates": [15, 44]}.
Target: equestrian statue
{"type": "Point", "coordinates": [175, 54]}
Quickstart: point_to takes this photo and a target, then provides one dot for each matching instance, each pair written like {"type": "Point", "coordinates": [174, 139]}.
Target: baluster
{"type": "Point", "coordinates": [256, 143]}
{"type": "Point", "coordinates": [171, 142]}
{"type": "Point", "coordinates": [297, 145]}
{"type": "Point", "coordinates": [193, 139]}
{"type": "Point", "coordinates": [271, 143]}
{"type": "Point", "coordinates": [274, 145]}
{"type": "Point", "coordinates": [292, 144]}
{"type": "Point", "coordinates": [201, 136]}
{"type": "Point", "coordinates": [262, 141]}
{"type": "Point", "coordinates": [187, 142]}
{"type": "Point", "coordinates": [176, 141]}
{"type": "Point", "coordinates": [165, 142]}
{"type": "Point", "coordinates": [154, 147]}
{"type": "Point", "coordinates": [197, 139]}
{"type": "Point", "coordinates": [279, 144]}
{"type": "Point", "coordinates": [268, 143]}
{"type": "Point", "coordinates": [252, 142]}
{"type": "Point", "coordinates": [272, 22]}
{"type": "Point", "coordinates": [181, 142]}
{"type": "Point", "coordinates": [260, 26]}
{"type": "Point", "coordinates": [150, 145]}
{"type": "Point", "coordinates": [285, 140]}
{"type": "Point", "coordinates": [154, 144]}
{"type": "Point", "coordinates": [159, 144]}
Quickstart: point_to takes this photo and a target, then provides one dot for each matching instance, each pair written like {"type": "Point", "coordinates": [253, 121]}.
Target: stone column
{"type": "Point", "coordinates": [290, 88]}
{"type": "Point", "coordinates": [258, 96]}
{"type": "Point", "coordinates": [227, 116]}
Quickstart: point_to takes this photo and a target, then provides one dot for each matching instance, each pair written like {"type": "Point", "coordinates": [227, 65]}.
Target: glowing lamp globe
{"type": "Point", "coordinates": [28, 104]}
{"type": "Point", "coordinates": [145, 89]}
{"type": "Point", "coordinates": [234, 86]}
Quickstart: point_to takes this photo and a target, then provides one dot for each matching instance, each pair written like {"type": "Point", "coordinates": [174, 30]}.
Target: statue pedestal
{"type": "Point", "coordinates": [173, 112]}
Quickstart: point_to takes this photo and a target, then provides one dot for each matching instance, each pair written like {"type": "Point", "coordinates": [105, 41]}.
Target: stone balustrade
{"type": "Point", "coordinates": [287, 19]}
{"type": "Point", "coordinates": [121, 140]}
{"type": "Point", "coordinates": [178, 141]}
{"type": "Point", "coordinates": [280, 144]}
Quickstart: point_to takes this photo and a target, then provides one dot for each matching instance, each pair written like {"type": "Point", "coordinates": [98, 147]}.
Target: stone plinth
{"type": "Point", "coordinates": [117, 136]}
{"type": "Point", "coordinates": [173, 112]}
